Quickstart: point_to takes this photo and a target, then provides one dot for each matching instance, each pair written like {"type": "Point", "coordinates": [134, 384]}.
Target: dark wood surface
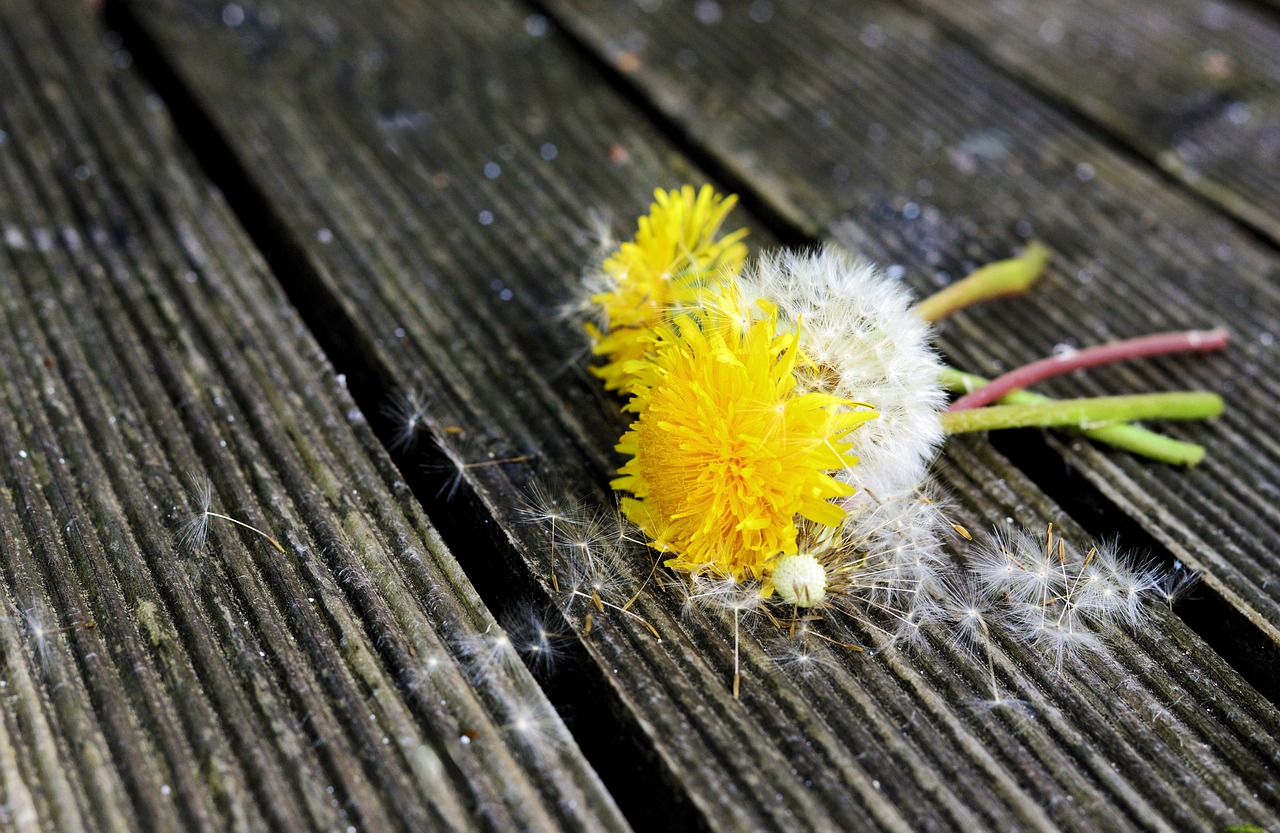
{"type": "Point", "coordinates": [233, 231]}
{"type": "Point", "coordinates": [151, 686]}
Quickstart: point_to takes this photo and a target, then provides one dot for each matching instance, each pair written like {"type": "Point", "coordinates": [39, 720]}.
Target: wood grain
{"type": "Point", "coordinates": [366, 142]}
{"type": "Point", "coordinates": [220, 685]}
{"type": "Point", "coordinates": [1193, 86]}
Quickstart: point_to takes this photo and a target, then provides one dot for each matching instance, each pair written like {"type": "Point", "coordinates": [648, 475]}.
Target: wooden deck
{"type": "Point", "coordinates": [233, 231]}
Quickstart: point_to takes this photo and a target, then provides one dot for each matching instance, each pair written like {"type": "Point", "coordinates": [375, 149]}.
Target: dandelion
{"type": "Point", "coordinates": [675, 248]}
{"type": "Point", "coordinates": [726, 453]}
{"type": "Point", "coordinates": [743, 467]}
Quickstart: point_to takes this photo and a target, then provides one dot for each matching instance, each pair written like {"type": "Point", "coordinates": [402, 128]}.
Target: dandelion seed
{"type": "Point", "coordinates": [536, 725]}
{"type": "Point", "coordinates": [425, 670]}
{"type": "Point", "coordinates": [1001, 702]}
{"type": "Point", "coordinates": [1176, 584]}
{"type": "Point", "coordinates": [407, 411]}
{"type": "Point", "coordinates": [590, 543]}
{"type": "Point", "coordinates": [194, 532]}
{"type": "Point", "coordinates": [541, 648]}
{"type": "Point", "coordinates": [969, 607]}
{"type": "Point", "coordinates": [40, 634]}
{"type": "Point", "coordinates": [546, 506]}
{"type": "Point", "coordinates": [455, 467]}
{"type": "Point", "coordinates": [488, 654]}
{"type": "Point", "coordinates": [798, 654]}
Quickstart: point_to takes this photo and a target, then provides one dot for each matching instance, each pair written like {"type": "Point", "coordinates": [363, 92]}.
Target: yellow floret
{"type": "Point", "coordinates": [725, 455]}
{"type": "Point", "coordinates": [674, 252]}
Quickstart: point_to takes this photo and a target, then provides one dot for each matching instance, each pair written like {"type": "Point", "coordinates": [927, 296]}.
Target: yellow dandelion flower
{"type": "Point", "coordinates": [725, 455]}
{"type": "Point", "coordinates": [674, 250]}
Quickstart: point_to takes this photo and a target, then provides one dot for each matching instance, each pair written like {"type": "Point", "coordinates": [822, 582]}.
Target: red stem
{"type": "Point", "coordinates": [1119, 351]}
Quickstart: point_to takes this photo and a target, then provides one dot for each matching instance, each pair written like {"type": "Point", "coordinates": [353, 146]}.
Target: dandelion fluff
{"type": "Point", "coordinates": [864, 344]}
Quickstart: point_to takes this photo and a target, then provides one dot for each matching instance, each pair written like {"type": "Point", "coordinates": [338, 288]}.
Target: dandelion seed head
{"type": "Point", "coordinates": [864, 343]}
{"type": "Point", "coordinates": [800, 580]}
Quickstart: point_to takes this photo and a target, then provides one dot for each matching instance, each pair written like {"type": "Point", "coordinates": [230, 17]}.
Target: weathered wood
{"type": "Point", "coordinates": [870, 123]}
{"type": "Point", "coordinates": [151, 686]}
{"type": "Point", "coordinates": [364, 141]}
{"type": "Point", "coordinates": [1194, 86]}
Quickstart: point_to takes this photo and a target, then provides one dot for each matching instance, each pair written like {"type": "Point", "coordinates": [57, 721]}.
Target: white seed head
{"type": "Point", "coordinates": [800, 580]}
{"type": "Point", "coordinates": [866, 344]}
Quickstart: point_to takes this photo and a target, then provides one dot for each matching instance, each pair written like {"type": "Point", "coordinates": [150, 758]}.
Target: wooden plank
{"type": "Point", "coordinates": [904, 144]}
{"type": "Point", "coordinates": [150, 685]}
{"type": "Point", "coordinates": [1193, 86]}
{"type": "Point", "coordinates": [368, 140]}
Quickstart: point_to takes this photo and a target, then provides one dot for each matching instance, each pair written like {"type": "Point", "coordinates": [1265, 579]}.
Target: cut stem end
{"type": "Point", "coordinates": [995, 280]}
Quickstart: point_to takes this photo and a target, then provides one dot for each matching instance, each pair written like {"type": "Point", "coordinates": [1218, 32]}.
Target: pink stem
{"type": "Point", "coordinates": [1119, 351]}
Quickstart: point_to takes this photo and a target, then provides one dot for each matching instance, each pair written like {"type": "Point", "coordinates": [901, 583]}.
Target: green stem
{"type": "Point", "coordinates": [1129, 438]}
{"type": "Point", "coordinates": [995, 280]}
{"type": "Point", "coordinates": [1085, 413]}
